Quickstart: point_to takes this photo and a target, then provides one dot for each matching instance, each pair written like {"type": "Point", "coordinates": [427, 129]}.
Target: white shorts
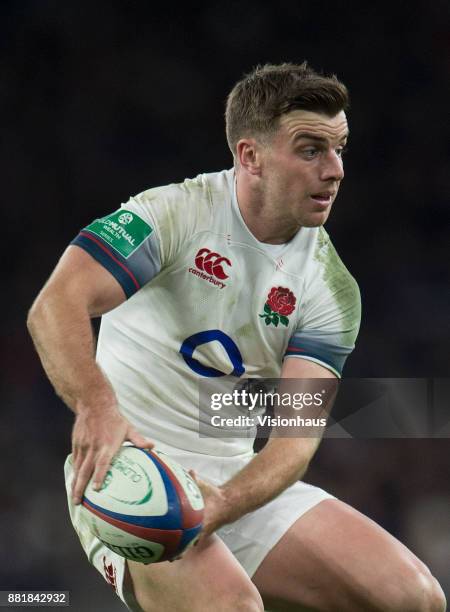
{"type": "Point", "coordinates": [250, 538]}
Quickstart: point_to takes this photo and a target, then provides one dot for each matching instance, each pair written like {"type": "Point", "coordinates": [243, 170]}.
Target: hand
{"type": "Point", "coordinates": [96, 438]}
{"type": "Point", "coordinates": [214, 514]}
{"type": "Point", "coordinates": [217, 511]}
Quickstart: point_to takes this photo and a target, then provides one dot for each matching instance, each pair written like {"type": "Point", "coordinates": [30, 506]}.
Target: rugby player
{"type": "Point", "coordinates": [229, 273]}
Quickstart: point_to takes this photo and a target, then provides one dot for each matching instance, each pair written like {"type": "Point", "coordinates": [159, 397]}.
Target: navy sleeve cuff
{"type": "Point", "coordinates": [112, 261]}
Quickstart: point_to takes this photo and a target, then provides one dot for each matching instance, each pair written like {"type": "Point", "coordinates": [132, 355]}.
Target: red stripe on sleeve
{"type": "Point", "coordinates": [108, 252]}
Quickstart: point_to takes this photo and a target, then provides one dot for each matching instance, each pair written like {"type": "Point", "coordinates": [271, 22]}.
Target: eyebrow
{"type": "Point", "coordinates": [310, 136]}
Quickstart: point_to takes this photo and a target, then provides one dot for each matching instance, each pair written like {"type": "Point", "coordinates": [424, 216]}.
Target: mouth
{"type": "Point", "coordinates": [325, 198]}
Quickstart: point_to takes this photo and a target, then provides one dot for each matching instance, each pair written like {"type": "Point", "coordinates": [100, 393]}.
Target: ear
{"type": "Point", "coordinates": [248, 153]}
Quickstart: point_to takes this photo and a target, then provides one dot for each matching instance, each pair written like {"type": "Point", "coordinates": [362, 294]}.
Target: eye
{"type": "Point", "coordinates": [341, 151]}
{"type": "Point", "coordinates": [310, 152]}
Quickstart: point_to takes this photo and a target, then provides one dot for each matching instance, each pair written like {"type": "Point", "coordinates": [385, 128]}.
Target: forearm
{"type": "Point", "coordinates": [60, 325]}
{"type": "Point", "coordinates": [62, 333]}
{"type": "Point", "coordinates": [278, 465]}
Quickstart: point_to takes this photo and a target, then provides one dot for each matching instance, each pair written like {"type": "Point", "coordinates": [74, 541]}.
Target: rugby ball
{"type": "Point", "coordinates": [148, 509]}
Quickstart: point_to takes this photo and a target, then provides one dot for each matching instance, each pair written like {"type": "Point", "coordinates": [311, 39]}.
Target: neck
{"type": "Point", "coordinates": [263, 217]}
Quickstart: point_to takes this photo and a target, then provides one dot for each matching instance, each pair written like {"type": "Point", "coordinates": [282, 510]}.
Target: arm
{"type": "Point", "coordinates": [59, 323]}
{"type": "Point", "coordinates": [326, 332]}
{"type": "Point", "coordinates": [279, 464]}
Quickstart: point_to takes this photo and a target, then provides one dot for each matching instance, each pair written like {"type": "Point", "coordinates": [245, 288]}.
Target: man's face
{"type": "Point", "coordinates": [302, 167]}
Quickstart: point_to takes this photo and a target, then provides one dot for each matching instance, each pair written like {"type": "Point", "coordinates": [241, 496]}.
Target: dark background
{"type": "Point", "coordinates": [102, 100]}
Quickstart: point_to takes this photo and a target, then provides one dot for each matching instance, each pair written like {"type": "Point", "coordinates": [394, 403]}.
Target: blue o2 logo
{"type": "Point", "coordinates": [190, 344]}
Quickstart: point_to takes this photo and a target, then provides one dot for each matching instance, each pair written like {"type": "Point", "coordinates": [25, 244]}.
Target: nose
{"type": "Point", "coordinates": [332, 167]}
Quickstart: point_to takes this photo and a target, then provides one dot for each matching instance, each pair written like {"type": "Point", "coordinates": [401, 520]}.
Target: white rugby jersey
{"type": "Point", "coordinates": [206, 299]}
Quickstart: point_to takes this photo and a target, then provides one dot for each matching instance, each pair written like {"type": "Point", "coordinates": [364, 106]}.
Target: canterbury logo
{"type": "Point", "coordinates": [211, 263]}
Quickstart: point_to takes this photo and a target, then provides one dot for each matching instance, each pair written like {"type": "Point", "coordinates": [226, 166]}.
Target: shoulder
{"type": "Point", "coordinates": [329, 269]}
{"type": "Point", "coordinates": [179, 211]}
{"type": "Point", "coordinates": [330, 312]}
{"type": "Point", "coordinates": [193, 195]}
{"type": "Point", "coordinates": [332, 297]}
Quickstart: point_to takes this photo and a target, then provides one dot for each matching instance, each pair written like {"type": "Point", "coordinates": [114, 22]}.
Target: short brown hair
{"type": "Point", "coordinates": [257, 101]}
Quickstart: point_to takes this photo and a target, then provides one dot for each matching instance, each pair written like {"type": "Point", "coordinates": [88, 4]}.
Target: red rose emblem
{"type": "Point", "coordinates": [281, 300]}
{"type": "Point", "coordinates": [280, 303]}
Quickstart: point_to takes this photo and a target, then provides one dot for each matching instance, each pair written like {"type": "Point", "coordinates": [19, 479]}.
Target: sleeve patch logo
{"type": "Point", "coordinates": [125, 218]}
{"type": "Point", "coordinates": [123, 231]}
{"type": "Point", "coordinates": [279, 305]}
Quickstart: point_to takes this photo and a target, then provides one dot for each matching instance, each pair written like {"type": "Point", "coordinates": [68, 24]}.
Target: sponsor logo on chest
{"type": "Point", "coordinates": [211, 267]}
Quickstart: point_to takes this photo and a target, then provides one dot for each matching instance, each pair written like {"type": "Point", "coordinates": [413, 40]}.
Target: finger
{"type": "Point", "coordinates": [138, 440]}
{"type": "Point", "coordinates": [82, 477]}
{"type": "Point", "coordinates": [78, 456]}
{"type": "Point", "coordinates": [79, 450]}
{"type": "Point", "coordinates": [200, 483]}
{"type": "Point", "coordinates": [102, 465]}
{"type": "Point", "coordinates": [77, 447]}
{"type": "Point", "coordinates": [75, 454]}
{"type": "Point", "coordinates": [201, 538]}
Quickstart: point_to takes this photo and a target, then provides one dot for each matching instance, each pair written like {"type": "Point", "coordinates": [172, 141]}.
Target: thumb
{"type": "Point", "coordinates": [138, 440]}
